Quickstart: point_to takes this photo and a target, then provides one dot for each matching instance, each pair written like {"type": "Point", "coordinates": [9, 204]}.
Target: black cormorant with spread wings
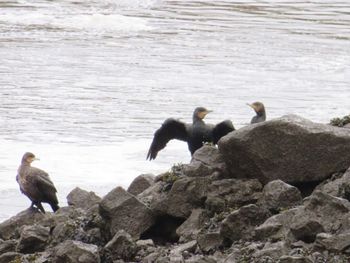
{"type": "Point", "coordinates": [259, 109]}
{"type": "Point", "coordinates": [195, 134]}
{"type": "Point", "coordinates": [36, 184]}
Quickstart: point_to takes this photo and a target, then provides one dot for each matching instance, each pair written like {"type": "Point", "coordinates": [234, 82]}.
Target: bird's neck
{"type": "Point", "coordinates": [197, 120]}
{"type": "Point", "coordinates": [25, 163]}
{"type": "Point", "coordinates": [261, 113]}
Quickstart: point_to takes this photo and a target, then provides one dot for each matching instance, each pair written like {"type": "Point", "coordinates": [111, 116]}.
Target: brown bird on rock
{"type": "Point", "coordinates": [195, 134]}
{"type": "Point", "coordinates": [259, 109]}
{"type": "Point", "coordinates": [36, 184]}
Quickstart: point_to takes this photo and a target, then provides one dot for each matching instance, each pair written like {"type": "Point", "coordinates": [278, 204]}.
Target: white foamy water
{"type": "Point", "coordinates": [84, 84]}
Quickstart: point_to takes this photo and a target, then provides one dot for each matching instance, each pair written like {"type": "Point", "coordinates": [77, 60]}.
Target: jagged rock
{"type": "Point", "coordinates": [272, 250]}
{"type": "Point", "coordinates": [333, 243]}
{"type": "Point", "coordinates": [276, 227]}
{"type": "Point", "coordinates": [210, 241]}
{"type": "Point", "coordinates": [338, 185]}
{"type": "Point", "coordinates": [72, 223]}
{"type": "Point", "coordinates": [65, 231]}
{"type": "Point", "coordinates": [192, 226]}
{"type": "Point", "coordinates": [10, 257]}
{"type": "Point", "coordinates": [289, 148]}
{"type": "Point", "coordinates": [235, 192]}
{"type": "Point", "coordinates": [318, 214]}
{"type": "Point", "coordinates": [141, 183]}
{"type": "Point", "coordinates": [83, 199]}
{"type": "Point", "coordinates": [205, 161]}
{"type": "Point", "coordinates": [294, 259]}
{"type": "Point", "coordinates": [152, 194]}
{"type": "Point", "coordinates": [180, 249]}
{"type": "Point", "coordinates": [33, 239]}
{"type": "Point", "coordinates": [277, 195]}
{"type": "Point", "coordinates": [7, 246]}
{"type": "Point", "coordinates": [306, 230]}
{"type": "Point", "coordinates": [122, 246]}
{"type": "Point", "coordinates": [241, 223]}
{"type": "Point", "coordinates": [76, 252]}
{"type": "Point", "coordinates": [10, 228]}
{"type": "Point", "coordinates": [185, 195]}
{"type": "Point", "coordinates": [125, 212]}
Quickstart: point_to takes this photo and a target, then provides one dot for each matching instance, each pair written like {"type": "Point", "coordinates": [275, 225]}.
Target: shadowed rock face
{"type": "Point", "coordinates": [292, 149]}
{"type": "Point", "coordinates": [124, 211]}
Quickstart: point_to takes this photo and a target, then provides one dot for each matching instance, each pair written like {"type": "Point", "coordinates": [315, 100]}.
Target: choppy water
{"type": "Point", "coordinates": [85, 83]}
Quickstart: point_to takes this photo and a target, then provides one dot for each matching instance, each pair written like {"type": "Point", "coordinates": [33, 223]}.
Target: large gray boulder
{"type": "Point", "coordinates": [185, 195]}
{"type": "Point", "coordinates": [141, 183]}
{"type": "Point", "coordinates": [76, 252]}
{"type": "Point", "coordinates": [320, 213]}
{"type": "Point", "coordinates": [125, 212]}
{"type": "Point", "coordinates": [277, 196]}
{"type": "Point", "coordinates": [9, 229]}
{"type": "Point", "coordinates": [290, 148]}
{"type": "Point", "coordinates": [82, 198]}
{"type": "Point", "coordinates": [33, 239]}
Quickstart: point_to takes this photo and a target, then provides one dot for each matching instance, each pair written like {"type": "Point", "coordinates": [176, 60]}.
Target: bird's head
{"type": "Point", "coordinates": [200, 113]}
{"type": "Point", "coordinates": [257, 106]}
{"type": "Point", "coordinates": [28, 158]}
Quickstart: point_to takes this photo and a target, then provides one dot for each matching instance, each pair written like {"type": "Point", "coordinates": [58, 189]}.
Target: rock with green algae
{"type": "Point", "coordinates": [340, 122]}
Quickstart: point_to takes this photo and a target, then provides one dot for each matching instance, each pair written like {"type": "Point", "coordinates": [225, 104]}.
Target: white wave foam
{"type": "Point", "coordinates": [103, 22]}
{"type": "Point", "coordinates": [93, 22]}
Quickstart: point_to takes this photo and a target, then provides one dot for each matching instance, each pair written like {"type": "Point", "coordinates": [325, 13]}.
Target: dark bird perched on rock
{"type": "Point", "coordinates": [195, 134]}
{"type": "Point", "coordinates": [36, 184]}
{"type": "Point", "coordinates": [259, 109]}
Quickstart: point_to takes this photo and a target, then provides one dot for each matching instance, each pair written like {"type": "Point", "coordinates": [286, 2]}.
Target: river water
{"type": "Point", "coordinates": [85, 83]}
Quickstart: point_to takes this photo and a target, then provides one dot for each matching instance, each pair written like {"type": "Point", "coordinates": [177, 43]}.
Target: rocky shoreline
{"type": "Point", "coordinates": [276, 191]}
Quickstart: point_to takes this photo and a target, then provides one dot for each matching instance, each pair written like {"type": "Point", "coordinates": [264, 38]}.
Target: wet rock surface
{"type": "Point", "coordinates": [217, 209]}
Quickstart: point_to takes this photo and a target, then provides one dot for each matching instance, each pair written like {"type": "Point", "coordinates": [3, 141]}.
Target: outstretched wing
{"type": "Point", "coordinates": [221, 129]}
{"type": "Point", "coordinates": [170, 129]}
